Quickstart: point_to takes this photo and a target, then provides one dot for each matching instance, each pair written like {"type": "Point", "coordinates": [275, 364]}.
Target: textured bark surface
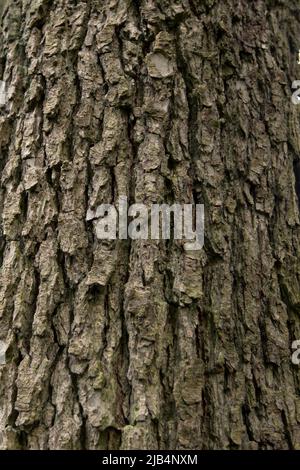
{"type": "Point", "coordinates": [127, 344]}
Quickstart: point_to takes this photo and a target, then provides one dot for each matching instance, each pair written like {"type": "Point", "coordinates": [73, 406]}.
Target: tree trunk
{"type": "Point", "coordinates": [128, 344]}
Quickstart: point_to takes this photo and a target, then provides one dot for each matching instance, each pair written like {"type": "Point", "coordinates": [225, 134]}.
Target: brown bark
{"type": "Point", "coordinates": [141, 344]}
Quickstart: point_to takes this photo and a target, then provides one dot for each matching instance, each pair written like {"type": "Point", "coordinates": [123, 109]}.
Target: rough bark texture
{"type": "Point", "coordinates": [141, 344]}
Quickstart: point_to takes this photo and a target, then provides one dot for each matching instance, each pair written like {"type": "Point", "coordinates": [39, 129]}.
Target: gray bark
{"type": "Point", "coordinates": [140, 345]}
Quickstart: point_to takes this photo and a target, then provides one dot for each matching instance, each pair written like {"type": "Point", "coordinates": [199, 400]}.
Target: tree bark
{"type": "Point", "coordinates": [141, 344]}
